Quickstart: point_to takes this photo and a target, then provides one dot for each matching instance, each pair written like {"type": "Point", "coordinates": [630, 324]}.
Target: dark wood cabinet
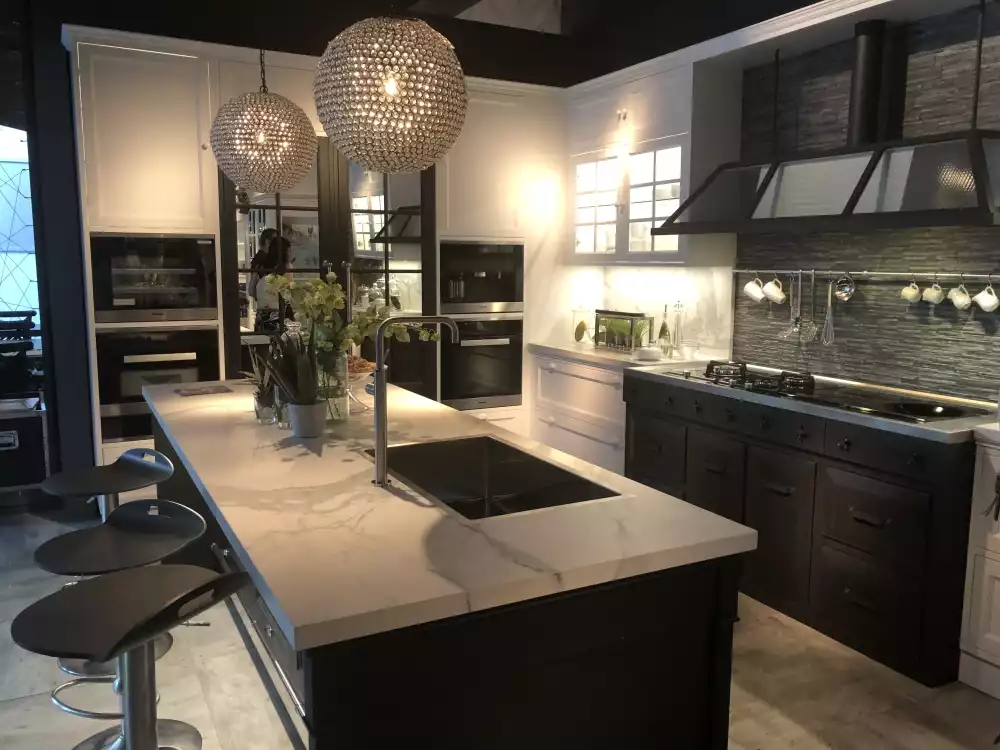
{"type": "Point", "coordinates": [862, 533]}
{"type": "Point", "coordinates": [779, 505]}
{"type": "Point", "coordinates": [656, 454]}
{"type": "Point", "coordinates": [715, 466]}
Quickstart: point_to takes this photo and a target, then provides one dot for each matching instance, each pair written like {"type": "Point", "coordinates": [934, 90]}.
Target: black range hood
{"type": "Point", "coordinates": [944, 180]}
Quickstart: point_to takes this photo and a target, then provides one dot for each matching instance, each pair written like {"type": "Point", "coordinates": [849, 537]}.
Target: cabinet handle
{"type": "Point", "coordinates": [730, 414]}
{"type": "Point", "coordinates": [765, 423]}
{"type": "Point", "coordinates": [859, 602]}
{"type": "Point", "coordinates": [668, 401]}
{"type": "Point", "coordinates": [551, 421]}
{"type": "Point", "coordinates": [801, 435]}
{"type": "Point", "coordinates": [845, 445]}
{"type": "Point", "coordinates": [717, 470]}
{"type": "Point", "coordinates": [868, 519]}
{"type": "Point", "coordinates": [994, 509]}
{"type": "Point", "coordinates": [915, 460]}
{"type": "Point", "coordinates": [697, 407]}
{"type": "Point", "coordinates": [780, 489]}
{"type": "Point", "coordinates": [269, 631]}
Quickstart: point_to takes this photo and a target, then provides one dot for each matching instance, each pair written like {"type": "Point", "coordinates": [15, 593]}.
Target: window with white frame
{"type": "Point", "coordinates": [647, 189]}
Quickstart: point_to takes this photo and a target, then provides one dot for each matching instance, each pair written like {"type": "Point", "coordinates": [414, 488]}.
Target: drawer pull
{"type": "Point", "coordinates": [845, 445]}
{"type": "Point", "coordinates": [551, 421]}
{"type": "Point", "coordinates": [915, 460]}
{"type": "Point", "coordinates": [730, 414]}
{"type": "Point", "coordinates": [780, 489]}
{"type": "Point", "coordinates": [269, 631]}
{"type": "Point", "coordinates": [994, 509]}
{"type": "Point", "coordinates": [717, 470]}
{"type": "Point", "coordinates": [765, 423]}
{"type": "Point", "coordinates": [616, 384]}
{"type": "Point", "coordinates": [859, 602]}
{"type": "Point", "coordinates": [668, 401]}
{"type": "Point", "coordinates": [868, 519]}
{"type": "Point", "coordinates": [801, 435]}
{"type": "Point", "coordinates": [697, 407]}
{"type": "Point", "coordinates": [9, 440]}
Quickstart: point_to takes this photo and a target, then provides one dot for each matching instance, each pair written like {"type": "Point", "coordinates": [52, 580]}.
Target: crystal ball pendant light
{"type": "Point", "coordinates": [262, 141]}
{"type": "Point", "coordinates": [391, 94]}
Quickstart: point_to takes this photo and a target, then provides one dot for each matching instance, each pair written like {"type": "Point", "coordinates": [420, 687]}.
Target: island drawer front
{"type": "Point", "coordinates": [715, 472]}
{"type": "Point", "coordinates": [600, 444]}
{"type": "Point", "coordinates": [660, 397]}
{"type": "Point", "coordinates": [866, 605]}
{"type": "Point", "coordinates": [784, 427]}
{"type": "Point", "coordinates": [657, 453]}
{"type": "Point", "coordinates": [578, 390]}
{"type": "Point", "coordinates": [898, 454]}
{"type": "Point", "coordinates": [881, 518]}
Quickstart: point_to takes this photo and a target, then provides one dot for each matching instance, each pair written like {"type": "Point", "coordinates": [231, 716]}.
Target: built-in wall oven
{"type": "Point", "coordinates": [128, 359]}
{"type": "Point", "coordinates": [153, 277]}
{"type": "Point", "coordinates": [481, 277]}
{"type": "Point", "coordinates": [483, 370]}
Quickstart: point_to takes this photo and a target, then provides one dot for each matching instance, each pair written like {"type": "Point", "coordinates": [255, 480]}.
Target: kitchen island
{"type": "Point", "coordinates": [391, 617]}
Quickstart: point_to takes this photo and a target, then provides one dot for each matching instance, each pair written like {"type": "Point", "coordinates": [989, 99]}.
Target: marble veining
{"type": "Point", "coordinates": [336, 558]}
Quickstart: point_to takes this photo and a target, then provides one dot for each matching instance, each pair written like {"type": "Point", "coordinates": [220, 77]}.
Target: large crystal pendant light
{"type": "Point", "coordinates": [391, 94]}
{"type": "Point", "coordinates": [262, 141]}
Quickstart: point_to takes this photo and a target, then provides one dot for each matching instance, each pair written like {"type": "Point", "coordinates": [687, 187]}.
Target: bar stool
{"type": "Point", "coordinates": [139, 533]}
{"type": "Point", "coordinates": [117, 616]}
{"type": "Point", "coordinates": [135, 469]}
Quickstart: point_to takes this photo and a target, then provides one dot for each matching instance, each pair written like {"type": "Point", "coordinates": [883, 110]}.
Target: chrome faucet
{"type": "Point", "coordinates": [381, 417]}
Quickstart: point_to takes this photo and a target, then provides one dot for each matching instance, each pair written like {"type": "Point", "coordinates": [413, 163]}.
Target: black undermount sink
{"type": "Point", "coordinates": [481, 477]}
{"type": "Point", "coordinates": [929, 410]}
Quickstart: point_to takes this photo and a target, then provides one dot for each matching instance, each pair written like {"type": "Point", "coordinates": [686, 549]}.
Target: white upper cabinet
{"type": "Point", "coordinates": [503, 176]}
{"type": "Point", "coordinates": [145, 119]}
{"type": "Point", "coordinates": [631, 113]}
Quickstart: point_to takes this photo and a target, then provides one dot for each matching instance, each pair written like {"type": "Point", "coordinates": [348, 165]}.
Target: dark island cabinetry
{"type": "Point", "coordinates": [862, 532]}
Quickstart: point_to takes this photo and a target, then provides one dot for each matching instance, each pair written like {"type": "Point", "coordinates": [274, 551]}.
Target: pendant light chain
{"type": "Point", "coordinates": [263, 80]}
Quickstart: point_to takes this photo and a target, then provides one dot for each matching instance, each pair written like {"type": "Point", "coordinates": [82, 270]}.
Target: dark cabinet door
{"type": "Point", "coordinates": [715, 465]}
{"type": "Point", "coordinates": [779, 505]}
{"type": "Point", "coordinates": [655, 453]}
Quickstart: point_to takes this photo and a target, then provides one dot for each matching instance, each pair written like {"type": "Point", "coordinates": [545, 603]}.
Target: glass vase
{"type": "Point", "coordinates": [335, 386]}
{"type": "Point", "coordinates": [280, 412]}
{"type": "Point", "coordinates": [264, 412]}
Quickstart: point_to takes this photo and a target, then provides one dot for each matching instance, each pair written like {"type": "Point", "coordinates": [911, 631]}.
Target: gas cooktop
{"type": "Point", "coordinates": [804, 387]}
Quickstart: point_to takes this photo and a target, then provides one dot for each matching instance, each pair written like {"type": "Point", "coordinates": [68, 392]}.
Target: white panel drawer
{"type": "Point", "coordinates": [582, 391]}
{"type": "Point", "coordinates": [984, 530]}
{"type": "Point", "coordinates": [601, 446]}
{"type": "Point", "coordinates": [983, 623]}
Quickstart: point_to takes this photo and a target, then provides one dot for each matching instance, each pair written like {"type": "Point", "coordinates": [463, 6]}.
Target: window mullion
{"type": "Point", "coordinates": [622, 228]}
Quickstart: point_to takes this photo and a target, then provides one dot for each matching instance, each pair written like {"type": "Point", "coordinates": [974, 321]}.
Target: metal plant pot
{"type": "Point", "coordinates": [308, 420]}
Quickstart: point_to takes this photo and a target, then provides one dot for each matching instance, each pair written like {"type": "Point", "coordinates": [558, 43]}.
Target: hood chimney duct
{"type": "Point", "coordinates": [866, 83]}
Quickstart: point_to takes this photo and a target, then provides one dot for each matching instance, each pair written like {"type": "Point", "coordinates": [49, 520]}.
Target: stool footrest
{"type": "Point", "coordinates": [82, 712]}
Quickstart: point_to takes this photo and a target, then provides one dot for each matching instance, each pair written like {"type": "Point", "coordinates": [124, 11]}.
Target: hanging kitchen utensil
{"type": "Point", "coordinates": [827, 337]}
{"type": "Point", "coordinates": [845, 287]}
{"type": "Point", "coordinates": [794, 311]}
{"type": "Point", "coordinates": [810, 330]}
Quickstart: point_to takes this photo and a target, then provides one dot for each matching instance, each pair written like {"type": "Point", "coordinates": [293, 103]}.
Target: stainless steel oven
{"type": "Point", "coordinates": [484, 369]}
{"type": "Point", "coordinates": [481, 277]}
{"type": "Point", "coordinates": [153, 277]}
{"type": "Point", "coordinates": [130, 358]}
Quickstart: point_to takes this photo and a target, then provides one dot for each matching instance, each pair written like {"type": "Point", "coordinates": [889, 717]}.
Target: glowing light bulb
{"type": "Point", "coordinates": [391, 87]}
{"type": "Point", "coordinates": [261, 137]}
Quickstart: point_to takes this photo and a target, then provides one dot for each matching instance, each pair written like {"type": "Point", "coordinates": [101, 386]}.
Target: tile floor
{"type": "Point", "coordinates": [792, 687]}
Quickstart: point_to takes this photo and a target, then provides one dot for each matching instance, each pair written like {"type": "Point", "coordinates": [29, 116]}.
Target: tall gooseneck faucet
{"type": "Point", "coordinates": [381, 417]}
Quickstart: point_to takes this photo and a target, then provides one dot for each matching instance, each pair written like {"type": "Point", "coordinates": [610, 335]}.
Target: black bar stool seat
{"type": "Point", "coordinates": [135, 469]}
{"type": "Point", "coordinates": [138, 533]}
{"type": "Point", "coordinates": [117, 616]}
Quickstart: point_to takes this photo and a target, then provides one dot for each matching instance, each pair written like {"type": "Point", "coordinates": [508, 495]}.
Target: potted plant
{"type": "Point", "coordinates": [291, 361]}
{"type": "Point", "coordinates": [319, 307]}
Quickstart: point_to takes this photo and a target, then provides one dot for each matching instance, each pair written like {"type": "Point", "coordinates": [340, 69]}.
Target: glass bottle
{"type": "Point", "coordinates": [663, 339]}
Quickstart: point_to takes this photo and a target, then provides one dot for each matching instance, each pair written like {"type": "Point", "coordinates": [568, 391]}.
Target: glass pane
{"type": "Point", "coordinates": [607, 213]}
{"type": "Point", "coordinates": [992, 148]}
{"type": "Point", "coordinates": [609, 198]}
{"type": "Point", "coordinates": [640, 168]}
{"type": "Point", "coordinates": [586, 177]}
{"type": "Point", "coordinates": [585, 216]}
{"type": "Point", "coordinates": [586, 199]}
{"type": "Point", "coordinates": [585, 239]}
{"type": "Point", "coordinates": [406, 293]}
{"type": "Point", "coordinates": [814, 187]}
{"type": "Point", "coordinates": [641, 211]}
{"type": "Point", "coordinates": [366, 188]}
{"type": "Point", "coordinates": [638, 195]}
{"type": "Point", "coordinates": [605, 239]}
{"type": "Point", "coordinates": [639, 238]}
{"type": "Point", "coordinates": [608, 175]}
{"type": "Point", "coordinates": [668, 164]}
{"type": "Point", "coordinates": [668, 191]}
{"type": "Point", "coordinates": [729, 196]}
{"type": "Point", "coordinates": [919, 178]}
{"type": "Point", "coordinates": [360, 204]}
{"type": "Point", "coordinates": [665, 243]}
{"type": "Point", "coordinates": [665, 209]}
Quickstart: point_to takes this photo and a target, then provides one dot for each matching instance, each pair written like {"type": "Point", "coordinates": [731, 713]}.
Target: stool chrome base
{"type": "Point", "coordinates": [171, 735]}
{"type": "Point", "coordinates": [84, 668]}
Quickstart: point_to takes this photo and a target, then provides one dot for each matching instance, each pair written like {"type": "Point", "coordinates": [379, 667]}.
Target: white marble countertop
{"type": "Point", "coordinates": [336, 558]}
{"type": "Point", "coordinates": [943, 431]}
{"type": "Point", "coordinates": [603, 357]}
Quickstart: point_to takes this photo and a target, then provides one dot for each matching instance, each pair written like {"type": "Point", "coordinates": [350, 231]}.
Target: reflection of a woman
{"type": "Point", "coordinates": [272, 261]}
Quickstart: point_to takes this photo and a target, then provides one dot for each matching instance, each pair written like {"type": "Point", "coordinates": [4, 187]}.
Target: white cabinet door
{"type": "Point", "coordinates": [593, 394]}
{"type": "Point", "coordinates": [985, 528]}
{"type": "Point", "coordinates": [632, 113]}
{"type": "Point", "coordinates": [145, 119]}
{"type": "Point", "coordinates": [477, 189]}
{"type": "Point", "coordinates": [602, 446]}
{"type": "Point", "coordinates": [984, 620]}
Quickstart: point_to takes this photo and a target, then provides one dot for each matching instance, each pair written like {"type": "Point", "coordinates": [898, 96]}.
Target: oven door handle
{"type": "Point", "coordinates": [141, 359]}
{"type": "Point", "coordinates": [485, 342]}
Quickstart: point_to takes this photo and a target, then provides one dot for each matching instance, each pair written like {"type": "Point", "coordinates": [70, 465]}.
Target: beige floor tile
{"type": "Point", "coordinates": [23, 673]}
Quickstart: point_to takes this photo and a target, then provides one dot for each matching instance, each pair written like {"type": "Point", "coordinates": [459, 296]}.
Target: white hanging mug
{"type": "Point", "coordinates": [774, 292]}
{"type": "Point", "coordinates": [960, 297]}
{"type": "Point", "coordinates": [934, 294]}
{"type": "Point", "coordinates": [911, 293]}
{"type": "Point", "coordinates": [987, 299]}
{"type": "Point", "coordinates": [754, 290]}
